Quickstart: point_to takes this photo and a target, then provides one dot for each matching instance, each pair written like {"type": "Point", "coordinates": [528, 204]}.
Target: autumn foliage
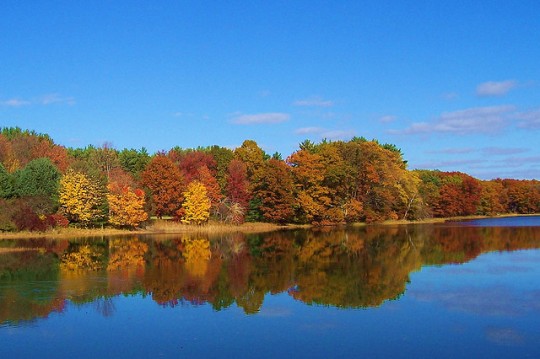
{"type": "Point", "coordinates": [165, 184]}
{"type": "Point", "coordinates": [80, 197]}
{"type": "Point", "coordinates": [196, 205]}
{"type": "Point", "coordinates": [126, 206]}
{"type": "Point", "coordinates": [44, 185]}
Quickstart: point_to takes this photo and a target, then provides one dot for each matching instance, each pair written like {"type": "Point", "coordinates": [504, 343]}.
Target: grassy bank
{"type": "Point", "coordinates": [171, 227]}
{"type": "Point", "coordinates": [156, 227]}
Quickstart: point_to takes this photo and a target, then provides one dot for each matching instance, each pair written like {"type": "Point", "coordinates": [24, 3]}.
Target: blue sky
{"type": "Point", "coordinates": [455, 85]}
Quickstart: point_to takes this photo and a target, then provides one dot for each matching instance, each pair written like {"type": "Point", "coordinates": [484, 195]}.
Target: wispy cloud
{"type": "Point", "coordinates": [387, 119]}
{"type": "Point", "coordinates": [261, 118]}
{"type": "Point", "coordinates": [502, 151]}
{"type": "Point", "coordinates": [446, 164]}
{"type": "Point", "coordinates": [55, 98]}
{"type": "Point", "coordinates": [15, 102]}
{"type": "Point", "coordinates": [326, 133]}
{"type": "Point", "coordinates": [314, 101]}
{"type": "Point", "coordinates": [338, 134]}
{"type": "Point", "coordinates": [453, 151]}
{"type": "Point", "coordinates": [529, 119]}
{"type": "Point", "coordinates": [309, 130]}
{"type": "Point", "coordinates": [490, 171]}
{"type": "Point", "coordinates": [183, 114]}
{"type": "Point", "coordinates": [264, 93]}
{"type": "Point", "coordinates": [468, 121]}
{"type": "Point", "coordinates": [486, 151]}
{"type": "Point", "coordinates": [44, 100]}
{"type": "Point", "coordinates": [495, 88]}
{"type": "Point", "coordinates": [449, 96]}
{"type": "Point", "coordinates": [519, 161]}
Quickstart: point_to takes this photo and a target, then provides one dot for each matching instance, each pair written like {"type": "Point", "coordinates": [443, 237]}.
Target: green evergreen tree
{"type": "Point", "coordinates": [40, 177]}
{"type": "Point", "coordinates": [6, 183]}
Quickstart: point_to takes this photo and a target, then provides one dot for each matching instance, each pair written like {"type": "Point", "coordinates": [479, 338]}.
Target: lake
{"type": "Point", "coordinates": [468, 289]}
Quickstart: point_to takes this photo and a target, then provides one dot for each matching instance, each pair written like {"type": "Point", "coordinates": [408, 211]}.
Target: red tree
{"type": "Point", "coordinates": [238, 184]}
{"type": "Point", "coordinates": [276, 192]}
{"type": "Point", "coordinates": [210, 183]}
{"type": "Point", "coordinates": [190, 162]}
{"type": "Point", "coordinates": [166, 185]}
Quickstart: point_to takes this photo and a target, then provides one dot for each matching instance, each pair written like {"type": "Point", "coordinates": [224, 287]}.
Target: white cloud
{"type": "Point", "coordinates": [260, 118]}
{"type": "Point", "coordinates": [468, 121]}
{"type": "Point", "coordinates": [498, 151]}
{"type": "Point", "coordinates": [314, 101]}
{"type": "Point", "coordinates": [529, 119]}
{"type": "Point", "coordinates": [446, 164]}
{"type": "Point", "coordinates": [452, 151]}
{"type": "Point", "coordinates": [326, 133]}
{"type": "Point", "coordinates": [338, 134]}
{"type": "Point", "coordinates": [495, 88]}
{"type": "Point", "coordinates": [55, 98]}
{"type": "Point", "coordinates": [44, 100]}
{"type": "Point", "coordinates": [518, 161]}
{"type": "Point", "coordinates": [449, 96]}
{"type": "Point", "coordinates": [387, 119]}
{"type": "Point", "coordinates": [490, 151]}
{"type": "Point", "coordinates": [15, 102]}
{"type": "Point", "coordinates": [183, 114]}
{"type": "Point", "coordinates": [308, 130]}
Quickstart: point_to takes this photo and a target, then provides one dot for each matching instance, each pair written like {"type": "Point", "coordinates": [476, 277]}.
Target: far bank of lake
{"type": "Point", "coordinates": [172, 227]}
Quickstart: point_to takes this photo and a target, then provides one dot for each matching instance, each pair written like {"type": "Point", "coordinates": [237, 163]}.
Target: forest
{"type": "Point", "coordinates": [45, 185]}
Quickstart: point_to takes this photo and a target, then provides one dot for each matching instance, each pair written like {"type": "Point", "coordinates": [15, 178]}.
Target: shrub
{"type": "Point", "coordinates": [57, 220]}
{"type": "Point", "coordinates": [25, 218]}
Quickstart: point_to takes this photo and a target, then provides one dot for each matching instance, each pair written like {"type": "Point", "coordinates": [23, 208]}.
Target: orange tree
{"type": "Point", "coordinates": [126, 206]}
{"type": "Point", "coordinates": [211, 184]}
{"type": "Point", "coordinates": [313, 197]}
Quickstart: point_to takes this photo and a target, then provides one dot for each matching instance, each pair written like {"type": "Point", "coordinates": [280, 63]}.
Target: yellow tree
{"type": "Point", "coordinates": [86, 257]}
{"type": "Point", "coordinates": [196, 205]}
{"type": "Point", "coordinates": [126, 253]}
{"type": "Point", "coordinates": [197, 253]}
{"type": "Point", "coordinates": [80, 197]}
{"type": "Point", "coordinates": [126, 206]}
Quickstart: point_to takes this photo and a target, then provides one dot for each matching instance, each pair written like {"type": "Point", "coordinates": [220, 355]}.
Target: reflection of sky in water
{"type": "Point", "coordinates": [504, 336]}
{"type": "Point", "coordinates": [498, 293]}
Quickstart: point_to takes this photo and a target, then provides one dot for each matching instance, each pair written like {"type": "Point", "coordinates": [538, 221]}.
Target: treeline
{"type": "Point", "coordinates": [43, 185]}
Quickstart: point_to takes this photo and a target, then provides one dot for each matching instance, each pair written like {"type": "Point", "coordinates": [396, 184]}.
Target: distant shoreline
{"type": "Point", "coordinates": [158, 227]}
{"type": "Point", "coordinates": [168, 227]}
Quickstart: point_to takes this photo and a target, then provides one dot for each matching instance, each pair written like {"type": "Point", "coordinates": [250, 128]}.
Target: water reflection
{"type": "Point", "coordinates": [350, 268]}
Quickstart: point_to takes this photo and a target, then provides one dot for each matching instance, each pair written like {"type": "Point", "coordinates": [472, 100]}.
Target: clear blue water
{"type": "Point", "coordinates": [410, 291]}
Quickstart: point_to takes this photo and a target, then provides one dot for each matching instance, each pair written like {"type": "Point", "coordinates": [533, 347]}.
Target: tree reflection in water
{"type": "Point", "coordinates": [353, 268]}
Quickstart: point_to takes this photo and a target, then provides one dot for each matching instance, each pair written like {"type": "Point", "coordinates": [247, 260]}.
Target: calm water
{"type": "Point", "coordinates": [431, 291]}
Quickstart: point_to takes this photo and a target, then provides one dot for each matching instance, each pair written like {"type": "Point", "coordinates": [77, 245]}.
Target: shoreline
{"type": "Point", "coordinates": [157, 228]}
{"type": "Point", "coordinates": [451, 219]}
{"type": "Point", "coordinates": [167, 227]}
